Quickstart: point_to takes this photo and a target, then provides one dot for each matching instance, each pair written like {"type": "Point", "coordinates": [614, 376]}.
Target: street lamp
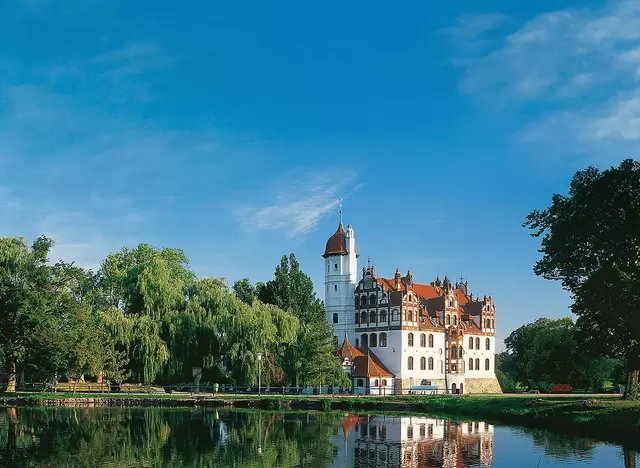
{"type": "Point", "coordinates": [259, 373]}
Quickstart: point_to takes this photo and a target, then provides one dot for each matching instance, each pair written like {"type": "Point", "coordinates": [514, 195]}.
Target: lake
{"type": "Point", "coordinates": [206, 438]}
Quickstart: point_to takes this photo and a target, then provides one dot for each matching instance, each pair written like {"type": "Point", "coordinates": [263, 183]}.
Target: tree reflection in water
{"type": "Point", "coordinates": [199, 438]}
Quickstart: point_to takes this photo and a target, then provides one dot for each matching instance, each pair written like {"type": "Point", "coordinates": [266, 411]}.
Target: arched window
{"type": "Point", "coordinates": [477, 343]}
{"type": "Point", "coordinates": [357, 301]}
{"type": "Point", "coordinates": [477, 364]}
{"type": "Point", "coordinates": [335, 287]}
{"type": "Point", "coordinates": [395, 316]}
{"type": "Point", "coordinates": [470, 364]}
{"type": "Point", "coordinates": [423, 340]}
{"type": "Point", "coordinates": [376, 383]}
{"type": "Point", "coordinates": [365, 341]}
{"type": "Point", "coordinates": [363, 317]}
{"type": "Point", "coordinates": [447, 320]}
{"type": "Point", "coordinates": [373, 340]}
{"type": "Point", "coordinates": [384, 382]}
{"type": "Point", "coordinates": [357, 317]}
{"type": "Point", "coordinates": [383, 315]}
{"type": "Point", "coordinates": [383, 340]}
{"type": "Point", "coordinates": [410, 363]}
{"type": "Point", "coordinates": [430, 341]}
{"type": "Point", "coordinates": [410, 339]}
{"type": "Point", "coordinates": [423, 363]}
{"type": "Point", "coordinates": [455, 320]}
{"type": "Point", "coordinates": [470, 342]}
{"type": "Point", "coordinates": [363, 301]}
{"type": "Point", "coordinates": [488, 324]}
{"type": "Point", "coordinates": [335, 267]}
{"type": "Point", "coordinates": [430, 363]}
{"type": "Point", "coordinates": [493, 323]}
{"type": "Point", "coordinates": [372, 316]}
{"type": "Point", "coordinates": [487, 344]}
{"type": "Point", "coordinates": [487, 365]}
{"type": "Point", "coordinates": [454, 352]}
{"type": "Point", "coordinates": [372, 299]}
{"type": "Point", "coordinates": [335, 317]}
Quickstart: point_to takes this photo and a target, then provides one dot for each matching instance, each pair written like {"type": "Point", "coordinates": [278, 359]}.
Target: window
{"type": "Point", "coordinates": [410, 339]}
{"type": "Point", "coordinates": [477, 343]}
{"type": "Point", "coordinates": [410, 363]}
{"type": "Point", "coordinates": [372, 316]}
{"type": "Point", "coordinates": [383, 315]}
{"type": "Point", "coordinates": [335, 267]}
{"type": "Point", "coordinates": [357, 317]}
{"type": "Point", "coordinates": [383, 340]}
{"type": "Point", "coordinates": [363, 317]}
{"type": "Point", "coordinates": [493, 323]}
{"type": "Point", "coordinates": [477, 364]}
{"type": "Point", "coordinates": [430, 363]}
{"type": "Point", "coordinates": [423, 363]}
{"type": "Point", "coordinates": [376, 383]}
{"type": "Point", "coordinates": [409, 432]}
{"type": "Point", "coordinates": [410, 316]}
{"type": "Point", "coordinates": [487, 365]}
{"type": "Point", "coordinates": [430, 341]}
{"type": "Point", "coordinates": [328, 269]}
{"type": "Point", "coordinates": [470, 364]}
{"type": "Point", "coordinates": [487, 344]}
{"type": "Point", "coordinates": [359, 383]}
{"type": "Point", "coordinates": [395, 316]}
{"type": "Point", "coordinates": [363, 301]}
{"type": "Point", "coordinates": [384, 384]}
{"type": "Point", "coordinates": [455, 320]}
{"type": "Point", "coordinates": [365, 341]}
{"type": "Point", "coordinates": [335, 287]}
{"type": "Point", "coordinates": [447, 320]}
{"type": "Point", "coordinates": [470, 343]}
{"type": "Point", "coordinates": [454, 352]}
{"type": "Point", "coordinates": [357, 343]}
{"type": "Point", "coordinates": [372, 299]}
{"type": "Point", "coordinates": [357, 302]}
{"type": "Point", "coordinates": [423, 340]}
{"type": "Point", "coordinates": [373, 340]}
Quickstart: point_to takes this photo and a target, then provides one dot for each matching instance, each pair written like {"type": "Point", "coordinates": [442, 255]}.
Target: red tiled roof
{"type": "Point", "coordinates": [370, 365]}
{"type": "Point", "coordinates": [347, 350]}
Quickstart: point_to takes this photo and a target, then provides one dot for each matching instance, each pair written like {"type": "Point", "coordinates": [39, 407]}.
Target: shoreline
{"type": "Point", "coordinates": [606, 418]}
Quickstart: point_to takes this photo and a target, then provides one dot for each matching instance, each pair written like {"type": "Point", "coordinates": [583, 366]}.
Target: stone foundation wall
{"type": "Point", "coordinates": [406, 384]}
{"type": "Point", "coordinates": [489, 385]}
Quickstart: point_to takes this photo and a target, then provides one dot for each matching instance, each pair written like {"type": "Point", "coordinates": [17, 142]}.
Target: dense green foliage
{"type": "Point", "coordinates": [591, 244]}
{"type": "Point", "coordinates": [145, 316]}
{"type": "Point", "coordinates": [548, 352]}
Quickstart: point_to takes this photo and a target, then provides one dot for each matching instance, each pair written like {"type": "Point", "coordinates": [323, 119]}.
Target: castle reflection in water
{"type": "Point", "coordinates": [377, 441]}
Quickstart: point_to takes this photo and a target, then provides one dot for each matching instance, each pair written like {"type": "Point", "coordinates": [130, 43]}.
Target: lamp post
{"type": "Point", "coordinates": [259, 373]}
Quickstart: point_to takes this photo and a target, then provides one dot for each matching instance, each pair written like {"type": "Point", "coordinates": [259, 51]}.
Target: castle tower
{"type": "Point", "coordinates": [340, 279]}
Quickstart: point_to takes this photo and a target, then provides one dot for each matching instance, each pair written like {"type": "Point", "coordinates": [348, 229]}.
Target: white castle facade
{"type": "Point", "coordinates": [399, 336]}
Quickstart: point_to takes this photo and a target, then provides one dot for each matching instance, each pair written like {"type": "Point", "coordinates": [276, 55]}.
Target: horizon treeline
{"type": "Point", "coordinates": [145, 317]}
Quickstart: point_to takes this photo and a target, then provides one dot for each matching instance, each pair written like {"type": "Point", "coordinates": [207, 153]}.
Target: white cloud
{"type": "Point", "coordinates": [297, 208]}
{"type": "Point", "coordinates": [575, 70]}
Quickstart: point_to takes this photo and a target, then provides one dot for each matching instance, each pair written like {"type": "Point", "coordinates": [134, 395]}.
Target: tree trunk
{"type": "Point", "coordinates": [630, 458]}
{"type": "Point", "coordinates": [11, 381]}
{"type": "Point", "coordinates": [631, 391]}
{"type": "Point", "coordinates": [12, 433]}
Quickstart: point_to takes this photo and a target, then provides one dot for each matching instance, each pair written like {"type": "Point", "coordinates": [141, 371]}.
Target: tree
{"type": "Point", "coordinates": [245, 291]}
{"type": "Point", "coordinates": [313, 360]}
{"type": "Point", "coordinates": [24, 286]}
{"type": "Point", "coordinates": [591, 243]}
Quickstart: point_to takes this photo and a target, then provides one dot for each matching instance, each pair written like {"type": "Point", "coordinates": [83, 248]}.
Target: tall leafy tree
{"type": "Point", "coordinates": [245, 291]}
{"type": "Point", "coordinates": [313, 360]}
{"type": "Point", "coordinates": [591, 243]}
{"type": "Point", "coordinates": [25, 284]}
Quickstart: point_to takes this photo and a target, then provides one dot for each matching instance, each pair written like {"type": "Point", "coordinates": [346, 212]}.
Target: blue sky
{"type": "Point", "coordinates": [230, 129]}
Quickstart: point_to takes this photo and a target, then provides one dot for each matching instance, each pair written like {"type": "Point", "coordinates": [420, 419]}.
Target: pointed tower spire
{"type": "Point", "coordinates": [340, 210]}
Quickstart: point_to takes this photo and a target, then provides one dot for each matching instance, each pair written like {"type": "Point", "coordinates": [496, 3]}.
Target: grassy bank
{"type": "Point", "coordinates": [605, 418]}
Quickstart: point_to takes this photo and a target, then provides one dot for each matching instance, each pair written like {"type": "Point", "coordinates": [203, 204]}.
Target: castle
{"type": "Point", "coordinates": [399, 336]}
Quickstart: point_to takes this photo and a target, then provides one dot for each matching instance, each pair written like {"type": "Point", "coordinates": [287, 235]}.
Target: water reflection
{"type": "Point", "coordinates": [124, 437]}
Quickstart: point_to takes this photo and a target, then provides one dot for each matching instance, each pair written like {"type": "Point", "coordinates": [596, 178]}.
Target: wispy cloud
{"type": "Point", "coordinates": [298, 208]}
{"type": "Point", "coordinates": [576, 71]}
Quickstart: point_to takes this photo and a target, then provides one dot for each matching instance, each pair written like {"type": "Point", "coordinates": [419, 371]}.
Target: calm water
{"type": "Point", "coordinates": [123, 437]}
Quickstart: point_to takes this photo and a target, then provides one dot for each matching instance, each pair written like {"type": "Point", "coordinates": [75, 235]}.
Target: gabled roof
{"type": "Point", "coordinates": [369, 366]}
